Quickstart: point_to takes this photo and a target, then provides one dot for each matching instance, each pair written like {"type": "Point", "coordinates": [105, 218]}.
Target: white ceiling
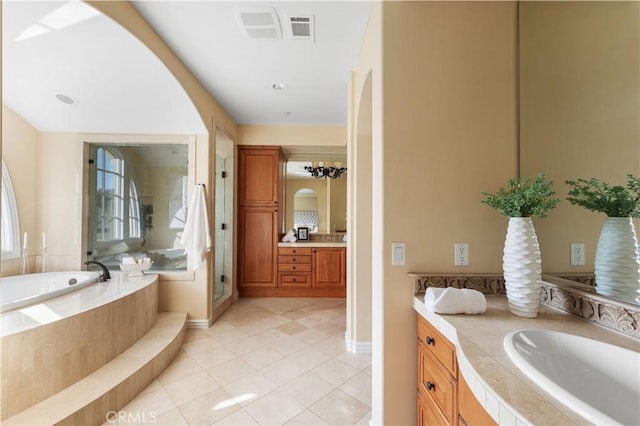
{"type": "Point", "coordinates": [120, 87]}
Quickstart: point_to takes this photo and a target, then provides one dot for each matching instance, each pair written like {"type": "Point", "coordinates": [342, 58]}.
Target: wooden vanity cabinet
{"type": "Point", "coordinates": [260, 213]}
{"type": "Point", "coordinates": [311, 272]}
{"type": "Point", "coordinates": [443, 396]}
{"type": "Point", "coordinates": [294, 267]}
{"type": "Point", "coordinates": [257, 247]}
{"type": "Point", "coordinates": [259, 169]}
{"type": "Point", "coordinates": [329, 267]}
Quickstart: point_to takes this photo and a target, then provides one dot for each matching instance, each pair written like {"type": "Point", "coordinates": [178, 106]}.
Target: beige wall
{"type": "Point", "coordinates": [337, 203]}
{"type": "Point", "coordinates": [21, 156]}
{"type": "Point", "coordinates": [292, 135]}
{"type": "Point", "coordinates": [580, 110]}
{"type": "Point", "coordinates": [449, 128]}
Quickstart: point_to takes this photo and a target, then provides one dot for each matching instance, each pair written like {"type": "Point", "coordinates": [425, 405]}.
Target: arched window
{"type": "Point", "coordinates": [109, 195]}
{"type": "Point", "coordinates": [10, 224]}
{"type": "Point", "coordinates": [135, 224]}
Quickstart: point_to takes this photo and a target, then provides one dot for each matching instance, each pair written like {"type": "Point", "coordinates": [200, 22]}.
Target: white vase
{"type": "Point", "coordinates": [522, 268]}
{"type": "Point", "coordinates": [618, 259]}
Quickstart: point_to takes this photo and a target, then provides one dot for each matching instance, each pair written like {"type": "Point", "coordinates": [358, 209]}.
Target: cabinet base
{"type": "Point", "coordinates": [292, 292]}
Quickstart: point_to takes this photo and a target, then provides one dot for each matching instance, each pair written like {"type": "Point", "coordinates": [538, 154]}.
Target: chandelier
{"type": "Point", "coordinates": [325, 170]}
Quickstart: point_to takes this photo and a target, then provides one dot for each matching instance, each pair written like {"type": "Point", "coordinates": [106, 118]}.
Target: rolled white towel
{"type": "Point", "coordinates": [455, 301]}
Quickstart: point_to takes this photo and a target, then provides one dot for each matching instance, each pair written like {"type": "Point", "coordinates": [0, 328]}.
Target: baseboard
{"type": "Point", "coordinates": [201, 323]}
{"type": "Point", "coordinates": [357, 347]}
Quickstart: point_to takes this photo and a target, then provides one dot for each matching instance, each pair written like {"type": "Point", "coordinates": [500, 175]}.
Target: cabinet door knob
{"type": "Point", "coordinates": [429, 340]}
{"type": "Point", "coordinates": [431, 386]}
{"type": "Point", "coordinates": [294, 267]}
{"type": "Point", "coordinates": [294, 251]}
{"type": "Point", "coordinates": [294, 259]}
{"type": "Point", "coordinates": [294, 280]}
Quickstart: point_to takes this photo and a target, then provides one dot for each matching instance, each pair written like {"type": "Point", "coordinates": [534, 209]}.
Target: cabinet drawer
{"type": "Point", "coordinates": [429, 414]}
{"type": "Point", "coordinates": [291, 251]}
{"type": "Point", "coordinates": [294, 267]}
{"type": "Point", "coordinates": [294, 259]}
{"type": "Point", "coordinates": [294, 280]}
{"type": "Point", "coordinates": [438, 345]}
{"type": "Point", "coordinates": [436, 382]}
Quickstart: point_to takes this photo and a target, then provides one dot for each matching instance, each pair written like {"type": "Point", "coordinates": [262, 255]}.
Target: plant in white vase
{"type": "Point", "coordinates": [521, 263]}
{"type": "Point", "coordinates": [617, 265]}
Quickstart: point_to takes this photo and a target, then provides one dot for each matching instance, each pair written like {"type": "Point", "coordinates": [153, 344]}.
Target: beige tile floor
{"type": "Point", "coordinates": [266, 361]}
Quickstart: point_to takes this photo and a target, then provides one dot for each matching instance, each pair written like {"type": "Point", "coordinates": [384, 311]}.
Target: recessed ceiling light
{"type": "Point", "coordinates": [279, 86]}
{"type": "Point", "coordinates": [65, 99]}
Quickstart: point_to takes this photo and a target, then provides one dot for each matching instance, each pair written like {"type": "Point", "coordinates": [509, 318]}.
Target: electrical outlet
{"type": "Point", "coordinates": [461, 254]}
{"type": "Point", "coordinates": [577, 254]}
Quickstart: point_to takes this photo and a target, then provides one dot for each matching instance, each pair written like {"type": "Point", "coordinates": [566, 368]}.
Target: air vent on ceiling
{"type": "Point", "coordinates": [259, 22]}
{"type": "Point", "coordinates": [302, 27]}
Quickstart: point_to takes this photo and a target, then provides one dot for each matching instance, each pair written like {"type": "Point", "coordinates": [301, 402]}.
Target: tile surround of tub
{"type": "Point", "coordinates": [39, 362]}
{"type": "Point", "coordinates": [621, 317]}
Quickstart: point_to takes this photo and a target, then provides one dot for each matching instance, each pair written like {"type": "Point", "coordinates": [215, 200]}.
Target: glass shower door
{"type": "Point", "coordinates": [220, 227]}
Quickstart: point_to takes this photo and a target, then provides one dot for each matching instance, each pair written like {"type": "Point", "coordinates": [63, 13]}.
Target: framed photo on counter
{"type": "Point", "coordinates": [303, 233]}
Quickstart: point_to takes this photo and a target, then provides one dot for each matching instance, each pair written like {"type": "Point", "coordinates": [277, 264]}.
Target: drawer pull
{"type": "Point", "coordinates": [429, 340]}
{"type": "Point", "coordinates": [293, 260]}
{"type": "Point", "coordinates": [431, 386]}
{"type": "Point", "coordinates": [294, 267]}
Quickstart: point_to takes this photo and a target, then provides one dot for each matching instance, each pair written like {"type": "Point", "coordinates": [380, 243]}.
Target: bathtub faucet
{"type": "Point", "coordinates": [105, 271]}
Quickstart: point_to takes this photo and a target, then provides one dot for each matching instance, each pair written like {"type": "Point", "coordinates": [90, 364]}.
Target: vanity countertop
{"type": "Point", "coordinates": [504, 391]}
{"type": "Point", "coordinates": [314, 244]}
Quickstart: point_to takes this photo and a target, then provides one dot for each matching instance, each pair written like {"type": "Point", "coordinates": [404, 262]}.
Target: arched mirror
{"type": "Point", "coordinates": [305, 209]}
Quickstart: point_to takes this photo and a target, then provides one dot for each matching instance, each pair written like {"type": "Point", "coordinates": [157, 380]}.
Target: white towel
{"type": "Point", "coordinates": [287, 236]}
{"type": "Point", "coordinates": [196, 236]}
{"type": "Point", "coordinates": [455, 301]}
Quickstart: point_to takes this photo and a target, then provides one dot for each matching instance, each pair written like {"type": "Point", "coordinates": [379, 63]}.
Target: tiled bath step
{"type": "Point", "coordinates": [91, 399]}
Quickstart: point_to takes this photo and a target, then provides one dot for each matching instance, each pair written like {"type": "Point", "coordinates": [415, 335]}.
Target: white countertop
{"type": "Point", "coordinates": [314, 244]}
{"type": "Point", "coordinates": [73, 303]}
{"type": "Point", "coordinates": [504, 391]}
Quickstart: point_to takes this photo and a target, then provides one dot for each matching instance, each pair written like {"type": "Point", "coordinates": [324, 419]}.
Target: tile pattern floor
{"type": "Point", "coordinates": [266, 361]}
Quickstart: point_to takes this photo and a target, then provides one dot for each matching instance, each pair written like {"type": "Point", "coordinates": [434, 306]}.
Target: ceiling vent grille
{"type": "Point", "coordinates": [302, 27]}
{"type": "Point", "coordinates": [259, 23]}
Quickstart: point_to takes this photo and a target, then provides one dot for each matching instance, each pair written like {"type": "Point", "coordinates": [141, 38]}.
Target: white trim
{"type": "Point", "coordinates": [357, 347]}
{"type": "Point", "coordinates": [202, 324]}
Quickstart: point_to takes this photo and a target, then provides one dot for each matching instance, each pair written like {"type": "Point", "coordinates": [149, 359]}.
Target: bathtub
{"type": "Point", "coordinates": [24, 290]}
{"type": "Point", "coordinates": [50, 345]}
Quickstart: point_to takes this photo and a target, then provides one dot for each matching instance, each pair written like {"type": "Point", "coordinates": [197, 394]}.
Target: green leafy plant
{"type": "Point", "coordinates": [524, 198]}
{"type": "Point", "coordinates": [614, 201]}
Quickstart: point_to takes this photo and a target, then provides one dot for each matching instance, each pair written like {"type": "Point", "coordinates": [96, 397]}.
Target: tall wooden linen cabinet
{"type": "Point", "coordinates": [260, 215]}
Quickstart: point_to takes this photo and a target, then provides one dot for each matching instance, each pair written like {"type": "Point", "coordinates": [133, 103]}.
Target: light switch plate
{"type": "Point", "coordinates": [398, 253]}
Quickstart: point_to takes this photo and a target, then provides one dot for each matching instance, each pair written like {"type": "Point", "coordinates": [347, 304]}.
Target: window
{"type": "Point", "coordinates": [10, 225]}
{"type": "Point", "coordinates": [109, 196]}
{"type": "Point", "coordinates": [135, 224]}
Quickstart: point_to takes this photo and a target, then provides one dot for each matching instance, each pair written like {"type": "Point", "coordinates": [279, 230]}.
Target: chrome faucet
{"type": "Point", "coordinates": [105, 271]}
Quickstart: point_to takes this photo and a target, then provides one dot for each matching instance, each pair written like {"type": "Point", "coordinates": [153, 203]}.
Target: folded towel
{"type": "Point", "coordinates": [455, 301]}
{"type": "Point", "coordinates": [196, 236]}
{"type": "Point", "coordinates": [287, 236]}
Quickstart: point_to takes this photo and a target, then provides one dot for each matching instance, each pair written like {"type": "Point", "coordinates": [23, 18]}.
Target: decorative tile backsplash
{"type": "Point", "coordinates": [484, 283]}
{"type": "Point", "coordinates": [326, 237]}
{"type": "Point", "coordinates": [618, 316]}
